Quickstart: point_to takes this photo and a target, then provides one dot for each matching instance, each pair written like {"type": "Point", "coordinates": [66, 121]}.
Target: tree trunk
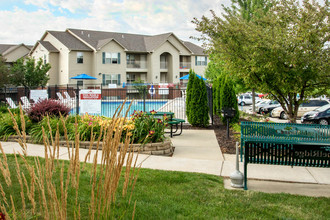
{"type": "Point", "coordinates": [253, 101]}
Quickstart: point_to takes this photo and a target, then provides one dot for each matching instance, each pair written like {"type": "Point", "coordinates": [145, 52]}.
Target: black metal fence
{"type": "Point", "coordinates": [143, 98]}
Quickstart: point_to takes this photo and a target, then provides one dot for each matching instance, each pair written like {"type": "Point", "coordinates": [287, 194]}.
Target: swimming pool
{"type": "Point", "coordinates": [108, 108]}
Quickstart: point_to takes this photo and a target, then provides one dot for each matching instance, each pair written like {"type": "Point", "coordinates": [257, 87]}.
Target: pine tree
{"type": "Point", "coordinates": [189, 91]}
{"type": "Point", "coordinates": [197, 107]}
{"type": "Point", "coordinates": [228, 99]}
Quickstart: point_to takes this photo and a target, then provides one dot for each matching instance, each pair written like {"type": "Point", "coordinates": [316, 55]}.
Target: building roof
{"type": "Point", "coordinates": [71, 42]}
{"type": "Point", "coordinates": [5, 47]}
{"type": "Point", "coordinates": [48, 46]}
{"type": "Point", "coordinates": [197, 50]}
{"type": "Point", "coordinates": [130, 42]}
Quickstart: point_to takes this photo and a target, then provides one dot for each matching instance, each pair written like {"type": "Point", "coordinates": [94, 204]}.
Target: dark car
{"type": "Point", "coordinates": [269, 108]}
{"type": "Point", "coordinates": [318, 116]}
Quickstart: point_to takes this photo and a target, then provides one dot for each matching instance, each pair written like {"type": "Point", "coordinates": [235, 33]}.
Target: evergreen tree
{"type": "Point", "coordinates": [197, 106]}
{"type": "Point", "coordinates": [228, 99]}
{"type": "Point", "coordinates": [188, 91]}
{"type": "Point", "coordinates": [203, 105]}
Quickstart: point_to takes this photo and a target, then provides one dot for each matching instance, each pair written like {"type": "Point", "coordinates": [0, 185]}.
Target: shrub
{"type": "Point", "coordinates": [147, 128]}
{"type": "Point", "coordinates": [47, 107]}
{"type": "Point", "coordinates": [88, 122]}
{"type": "Point", "coordinates": [228, 99]}
{"type": "Point", "coordinates": [7, 124]}
{"type": "Point", "coordinates": [36, 130]}
{"type": "Point", "coordinates": [189, 91]}
{"type": "Point", "coordinates": [4, 109]}
{"type": "Point", "coordinates": [197, 107]}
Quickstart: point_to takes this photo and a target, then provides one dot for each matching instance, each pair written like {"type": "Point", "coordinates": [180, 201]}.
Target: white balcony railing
{"type": "Point", "coordinates": [163, 64]}
{"type": "Point", "coordinates": [185, 65]}
{"type": "Point", "coordinates": [132, 64]}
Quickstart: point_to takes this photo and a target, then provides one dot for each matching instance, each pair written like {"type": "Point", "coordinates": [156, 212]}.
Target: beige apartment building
{"type": "Point", "coordinates": [13, 52]}
{"type": "Point", "coordinates": [117, 58]}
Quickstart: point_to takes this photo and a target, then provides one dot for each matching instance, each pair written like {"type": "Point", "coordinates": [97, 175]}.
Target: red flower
{"type": "Point", "coordinates": [153, 112]}
{"type": "Point", "coordinates": [151, 132]}
{"type": "Point", "coordinates": [2, 216]}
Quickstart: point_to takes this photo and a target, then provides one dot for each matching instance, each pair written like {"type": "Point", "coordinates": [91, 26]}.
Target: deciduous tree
{"type": "Point", "coordinates": [283, 52]}
{"type": "Point", "coordinates": [4, 72]}
{"type": "Point", "coordinates": [29, 73]}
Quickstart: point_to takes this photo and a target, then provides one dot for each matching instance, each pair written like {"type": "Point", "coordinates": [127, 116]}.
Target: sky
{"type": "Point", "coordinates": [25, 21]}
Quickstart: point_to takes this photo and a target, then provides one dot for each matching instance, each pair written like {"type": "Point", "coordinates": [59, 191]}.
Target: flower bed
{"type": "Point", "coordinates": [146, 132]}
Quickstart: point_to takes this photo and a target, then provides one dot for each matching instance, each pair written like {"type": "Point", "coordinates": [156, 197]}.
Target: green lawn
{"type": "Point", "coordinates": [179, 195]}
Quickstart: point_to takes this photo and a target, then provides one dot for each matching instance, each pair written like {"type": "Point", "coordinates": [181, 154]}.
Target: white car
{"type": "Point", "coordinates": [244, 100]}
{"type": "Point", "coordinates": [261, 104]}
{"type": "Point", "coordinates": [303, 108]}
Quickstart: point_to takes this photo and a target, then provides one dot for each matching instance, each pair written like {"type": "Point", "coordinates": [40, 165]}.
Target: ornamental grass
{"type": "Point", "coordinates": [50, 188]}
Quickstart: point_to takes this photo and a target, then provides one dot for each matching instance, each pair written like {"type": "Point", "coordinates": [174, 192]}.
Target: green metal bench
{"type": "Point", "coordinates": [285, 144]}
{"type": "Point", "coordinates": [175, 122]}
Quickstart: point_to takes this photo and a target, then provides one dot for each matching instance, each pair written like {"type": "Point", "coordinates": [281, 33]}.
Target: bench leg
{"type": "Point", "coordinates": [177, 129]}
{"type": "Point", "coordinates": [245, 176]}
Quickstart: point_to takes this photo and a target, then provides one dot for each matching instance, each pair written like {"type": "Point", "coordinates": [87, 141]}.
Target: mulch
{"type": "Point", "coordinates": [226, 145]}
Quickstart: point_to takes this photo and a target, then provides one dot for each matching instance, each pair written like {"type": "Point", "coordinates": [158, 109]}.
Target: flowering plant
{"type": "Point", "coordinates": [148, 128]}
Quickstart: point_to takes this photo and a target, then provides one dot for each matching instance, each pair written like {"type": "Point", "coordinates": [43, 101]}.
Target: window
{"type": "Point", "coordinates": [108, 57]}
{"type": "Point", "coordinates": [200, 60]}
{"type": "Point", "coordinates": [45, 59]}
{"type": "Point", "coordinates": [80, 82]}
{"type": "Point", "coordinates": [80, 57]}
{"type": "Point", "coordinates": [114, 57]}
{"type": "Point", "coordinates": [130, 59]}
{"type": "Point", "coordinates": [130, 78]}
{"type": "Point", "coordinates": [110, 79]}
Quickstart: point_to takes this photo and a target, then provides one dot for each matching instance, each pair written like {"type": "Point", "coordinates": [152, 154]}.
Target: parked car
{"type": "Point", "coordinates": [244, 99]}
{"type": "Point", "coordinates": [303, 108]}
{"type": "Point", "coordinates": [261, 104]}
{"type": "Point", "coordinates": [269, 108]}
{"type": "Point", "coordinates": [320, 115]}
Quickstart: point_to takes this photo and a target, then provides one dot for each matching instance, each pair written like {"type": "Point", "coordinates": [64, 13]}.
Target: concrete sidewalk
{"type": "Point", "coordinates": [198, 151]}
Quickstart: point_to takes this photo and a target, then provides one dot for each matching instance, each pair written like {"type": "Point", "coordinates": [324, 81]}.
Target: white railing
{"type": "Point", "coordinates": [185, 65]}
{"type": "Point", "coordinates": [132, 64]}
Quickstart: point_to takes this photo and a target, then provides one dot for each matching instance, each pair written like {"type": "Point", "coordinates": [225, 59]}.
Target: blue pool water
{"type": "Point", "coordinates": [108, 108]}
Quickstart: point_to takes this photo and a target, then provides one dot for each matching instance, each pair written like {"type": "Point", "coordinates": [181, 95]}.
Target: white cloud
{"type": "Point", "coordinates": [140, 17]}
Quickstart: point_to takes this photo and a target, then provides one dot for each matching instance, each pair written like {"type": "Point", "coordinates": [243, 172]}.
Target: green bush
{"type": "Point", "coordinates": [7, 124]}
{"type": "Point", "coordinates": [189, 92]}
{"type": "Point", "coordinates": [228, 99]}
{"type": "Point", "coordinates": [147, 128]}
{"type": "Point", "coordinates": [36, 130]}
{"type": "Point", "coordinates": [197, 106]}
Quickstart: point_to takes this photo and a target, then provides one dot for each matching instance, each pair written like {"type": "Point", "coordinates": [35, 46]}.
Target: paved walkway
{"type": "Point", "coordinates": [198, 151]}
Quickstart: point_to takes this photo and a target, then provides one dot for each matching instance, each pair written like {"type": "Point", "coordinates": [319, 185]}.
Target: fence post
{"type": "Point", "coordinates": [144, 98]}
{"type": "Point", "coordinates": [77, 99]}
{"type": "Point", "coordinates": [49, 92]}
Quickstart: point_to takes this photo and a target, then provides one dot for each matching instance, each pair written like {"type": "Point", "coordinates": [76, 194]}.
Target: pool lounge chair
{"type": "Point", "coordinates": [11, 103]}
{"type": "Point", "coordinates": [26, 103]}
{"type": "Point", "coordinates": [71, 103]}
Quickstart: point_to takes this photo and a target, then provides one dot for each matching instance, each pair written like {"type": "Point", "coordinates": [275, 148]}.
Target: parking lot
{"type": "Point", "coordinates": [248, 109]}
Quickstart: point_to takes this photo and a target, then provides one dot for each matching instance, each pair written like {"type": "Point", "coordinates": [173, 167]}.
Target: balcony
{"type": "Point", "coordinates": [132, 64]}
{"type": "Point", "coordinates": [163, 65]}
{"type": "Point", "coordinates": [185, 65]}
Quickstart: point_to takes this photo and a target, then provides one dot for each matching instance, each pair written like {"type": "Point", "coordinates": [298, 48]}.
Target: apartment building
{"type": "Point", "coordinates": [117, 58]}
{"type": "Point", "coordinates": [13, 52]}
